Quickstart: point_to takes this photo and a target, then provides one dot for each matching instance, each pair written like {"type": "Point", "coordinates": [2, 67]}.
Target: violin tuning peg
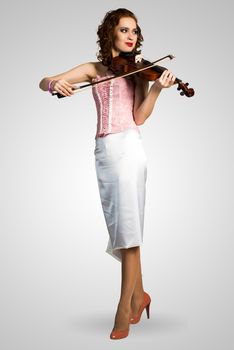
{"type": "Point", "coordinates": [187, 84]}
{"type": "Point", "coordinates": [178, 88]}
{"type": "Point", "coordinates": [182, 93]}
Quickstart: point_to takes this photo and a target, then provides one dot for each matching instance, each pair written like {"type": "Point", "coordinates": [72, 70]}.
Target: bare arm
{"type": "Point", "coordinates": [62, 83]}
{"type": "Point", "coordinates": [145, 101]}
{"type": "Point", "coordinates": [141, 92]}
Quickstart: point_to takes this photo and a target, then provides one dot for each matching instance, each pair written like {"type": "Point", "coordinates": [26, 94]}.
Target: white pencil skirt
{"type": "Point", "coordinates": [121, 168]}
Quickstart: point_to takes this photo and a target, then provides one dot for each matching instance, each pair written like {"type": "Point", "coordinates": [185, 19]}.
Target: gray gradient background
{"type": "Point", "coordinates": [59, 289]}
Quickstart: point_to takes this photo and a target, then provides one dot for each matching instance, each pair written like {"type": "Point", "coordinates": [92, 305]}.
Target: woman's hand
{"type": "Point", "coordinates": [166, 80]}
{"type": "Point", "coordinates": [63, 87]}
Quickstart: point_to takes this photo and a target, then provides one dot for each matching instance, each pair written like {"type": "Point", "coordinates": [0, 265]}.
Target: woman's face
{"type": "Point", "coordinates": [125, 36]}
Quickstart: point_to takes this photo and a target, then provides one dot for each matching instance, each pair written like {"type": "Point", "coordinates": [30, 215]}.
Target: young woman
{"type": "Point", "coordinates": [121, 166]}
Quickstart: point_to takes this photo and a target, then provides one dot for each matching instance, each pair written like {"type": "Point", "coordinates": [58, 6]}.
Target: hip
{"type": "Point", "coordinates": [127, 142]}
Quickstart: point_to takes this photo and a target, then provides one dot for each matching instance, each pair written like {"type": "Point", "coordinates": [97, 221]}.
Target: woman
{"type": "Point", "coordinates": [122, 105]}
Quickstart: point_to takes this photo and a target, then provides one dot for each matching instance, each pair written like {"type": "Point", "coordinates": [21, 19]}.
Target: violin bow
{"type": "Point", "coordinates": [86, 86]}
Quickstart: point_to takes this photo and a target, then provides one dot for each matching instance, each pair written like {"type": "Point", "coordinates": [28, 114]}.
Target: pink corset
{"type": "Point", "coordinates": [114, 102]}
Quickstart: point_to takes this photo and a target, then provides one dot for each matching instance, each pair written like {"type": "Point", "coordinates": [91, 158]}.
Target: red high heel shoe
{"type": "Point", "coordinates": [119, 334]}
{"type": "Point", "coordinates": [145, 305]}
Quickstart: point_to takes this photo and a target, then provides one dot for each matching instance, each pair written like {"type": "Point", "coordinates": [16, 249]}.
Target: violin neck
{"type": "Point", "coordinates": [161, 69]}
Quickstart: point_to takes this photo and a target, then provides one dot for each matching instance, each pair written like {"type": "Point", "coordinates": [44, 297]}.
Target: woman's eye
{"type": "Point", "coordinates": [124, 30]}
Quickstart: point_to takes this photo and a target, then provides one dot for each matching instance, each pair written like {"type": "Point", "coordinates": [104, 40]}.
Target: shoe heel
{"type": "Point", "coordinates": [148, 310]}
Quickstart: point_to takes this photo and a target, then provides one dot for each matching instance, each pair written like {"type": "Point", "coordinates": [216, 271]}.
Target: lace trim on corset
{"type": "Point", "coordinates": [110, 104]}
{"type": "Point", "coordinates": [103, 94]}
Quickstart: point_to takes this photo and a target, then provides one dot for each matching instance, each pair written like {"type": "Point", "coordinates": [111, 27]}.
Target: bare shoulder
{"type": "Point", "coordinates": [87, 71]}
{"type": "Point", "coordinates": [91, 69]}
{"type": "Point", "coordinates": [84, 72]}
{"type": "Point", "coordinates": [99, 68]}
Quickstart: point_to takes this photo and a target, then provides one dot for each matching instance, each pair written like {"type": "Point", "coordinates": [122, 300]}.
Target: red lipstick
{"type": "Point", "coordinates": [129, 44]}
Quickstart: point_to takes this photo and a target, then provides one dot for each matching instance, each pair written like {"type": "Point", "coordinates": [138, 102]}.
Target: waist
{"type": "Point", "coordinates": [103, 130]}
{"type": "Point", "coordinates": [121, 135]}
{"type": "Point", "coordinates": [114, 121]}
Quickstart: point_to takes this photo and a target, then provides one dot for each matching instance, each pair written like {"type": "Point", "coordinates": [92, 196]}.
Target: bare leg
{"type": "Point", "coordinates": [129, 267]}
{"type": "Point", "coordinates": [131, 287]}
{"type": "Point", "coordinates": [138, 292]}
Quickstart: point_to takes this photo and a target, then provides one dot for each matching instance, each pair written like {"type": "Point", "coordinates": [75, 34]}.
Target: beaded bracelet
{"type": "Point", "coordinates": [49, 87]}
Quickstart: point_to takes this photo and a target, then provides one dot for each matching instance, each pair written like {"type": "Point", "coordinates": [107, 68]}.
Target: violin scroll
{"type": "Point", "coordinates": [189, 92]}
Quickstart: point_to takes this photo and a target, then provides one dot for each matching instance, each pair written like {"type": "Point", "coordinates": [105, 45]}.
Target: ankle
{"type": "Point", "coordinates": [124, 305]}
{"type": "Point", "coordinates": [138, 294]}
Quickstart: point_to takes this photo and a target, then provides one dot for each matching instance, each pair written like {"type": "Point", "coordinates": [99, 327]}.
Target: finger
{"type": "Point", "coordinates": [170, 76]}
{"type": "Point", "coordinates": [170, 79]}
{"type": "Point", "coordinates": [68, 85]}
{"type": "Point", "coordinates": [165, 74]}
{"type": "Point", "coordinates": [163, 77]}
{"type": "Point", "coordinates": [67, 88]}
{"type": "Point", "coordinates": [64, 91]}
{"type": "Point", "coordinates": [70, 88]}
{"type": "Point", "coordinates": [173, 78]}
{"type": "Point", "coordinates": [60, 91]}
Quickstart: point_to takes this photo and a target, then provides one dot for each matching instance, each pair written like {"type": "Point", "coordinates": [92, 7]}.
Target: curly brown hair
{"type": "Point", "coordinates": [105, 34]}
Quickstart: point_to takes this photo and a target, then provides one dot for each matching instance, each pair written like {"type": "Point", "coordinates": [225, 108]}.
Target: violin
{"type": "Point", "coordinates": [127, 64]}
